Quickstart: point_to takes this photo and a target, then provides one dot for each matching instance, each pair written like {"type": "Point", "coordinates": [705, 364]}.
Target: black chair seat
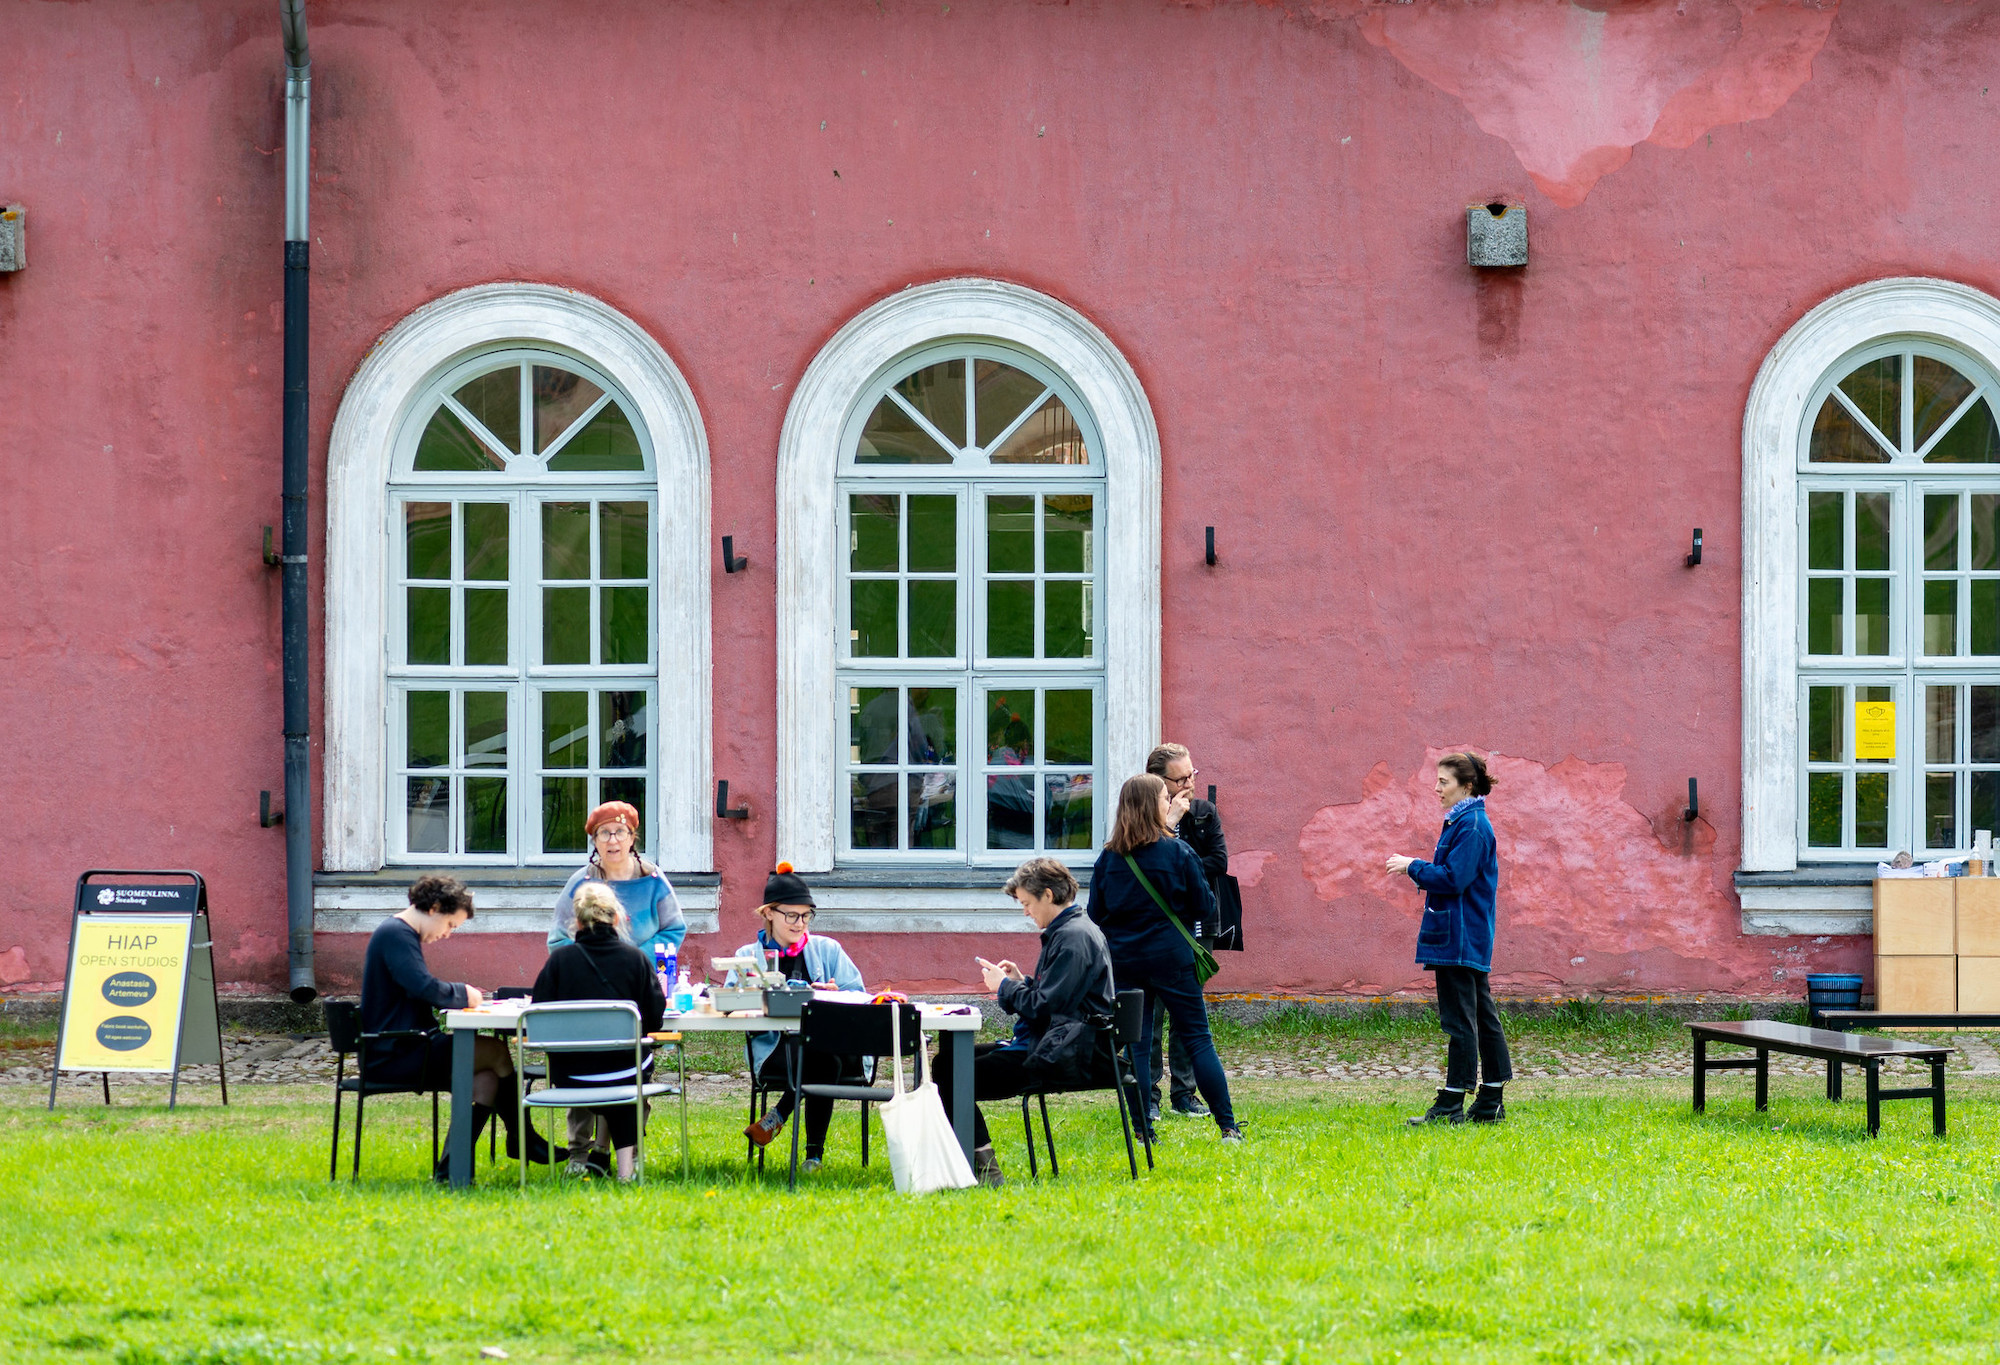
{"type": "Point", "coordinates": [867, 1094]}
{"type": "Point", "coordinates": [1127, 1018]}
{"type": "Point", "coordinates": [345, 1037]}
{"type": "Point", "coordinates": [353, 1086]}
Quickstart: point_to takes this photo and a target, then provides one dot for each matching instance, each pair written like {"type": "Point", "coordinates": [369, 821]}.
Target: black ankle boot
{"type": "Point", "coordinates": [1487, 1106]}
{"type": "Point", "coordinates": [1448, 1107]}
{"type": "Point", "coordinates": [505, 1104]}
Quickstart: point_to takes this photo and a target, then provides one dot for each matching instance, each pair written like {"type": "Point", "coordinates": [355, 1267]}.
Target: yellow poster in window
{"type": "Point", "coordinates": [1874, 731]}
{"type": "Point", "coordinates": [122, 1003]}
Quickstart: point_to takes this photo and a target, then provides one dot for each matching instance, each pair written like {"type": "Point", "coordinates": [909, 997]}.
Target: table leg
{"type": "Point", "coordinates": [1700, 1074]}
{"type": "Point", "coordinates": [458, 1140]}
{"type": "Point", "coordinates": [1833, 1079]}
{"type": "Point", "coordinates": [1937, 1097]}
{"type": "Point", "coordinates": [961, 1088]}
{"type": "Point", "coordinates": [1763, 1079]}
{"type": "Point", "coordinates": [1874, 1096]}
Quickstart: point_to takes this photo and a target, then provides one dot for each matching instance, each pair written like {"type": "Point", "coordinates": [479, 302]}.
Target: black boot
{"type": "Point", "coordinates": [505, 1104]}
{"type": "Point", "coordinates": [1487, 1106]}
{"type": "Point", "coordinates": [1448, 1107]}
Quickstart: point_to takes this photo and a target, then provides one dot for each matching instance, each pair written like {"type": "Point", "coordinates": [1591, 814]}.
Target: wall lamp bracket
{"type": "Point", "coordinates": [1693, 811]}
{"type": "Point", "coordinates": [1211, 546]}
{"type": "Point", "coordinates": [266, 817]}
{"type": "Point", "coordinates": [1694, 554]}
{"type": "Point", "coordinates": [273, 558]}
{"type": "Point", "coordinates": [730, 562]}
{"type": "Point", "coordinates": [1211, 793]}
{"type": "Point", "coordinates": [723, 810]}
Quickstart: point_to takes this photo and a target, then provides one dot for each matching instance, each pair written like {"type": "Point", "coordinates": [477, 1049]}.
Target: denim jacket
{"type": "Point", "coordinates": [1460, 882]}
{"type": "Point", "coordinates": [826, 960]}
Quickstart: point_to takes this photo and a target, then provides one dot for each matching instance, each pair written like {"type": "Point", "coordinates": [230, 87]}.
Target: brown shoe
{"type": "Point", "coordinates": [986, 1168]}
{"type": "Point", "coordinates": [763, 1130]}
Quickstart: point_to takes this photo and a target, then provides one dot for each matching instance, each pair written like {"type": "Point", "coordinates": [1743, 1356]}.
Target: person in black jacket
{"type": "Point", "coordinates": [1197, 824]}
{"type": "Point", "coordinates": [1072, 980]}
{"type": "Point", "coordinates": [1148, 951]}
{"type": "Point", "coordinates": [398, 992]}
{"type": "Point", "coordinates": [600, 963]}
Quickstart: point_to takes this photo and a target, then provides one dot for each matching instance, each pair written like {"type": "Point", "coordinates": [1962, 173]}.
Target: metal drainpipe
{"type": "Point", "coordinates": [298, 752]}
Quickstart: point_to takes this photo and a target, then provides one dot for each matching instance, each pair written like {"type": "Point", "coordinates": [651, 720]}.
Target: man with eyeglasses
{"type": "Point", "coordinates": [1196, 824]}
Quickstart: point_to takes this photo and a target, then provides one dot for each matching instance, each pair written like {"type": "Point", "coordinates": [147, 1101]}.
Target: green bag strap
{"type": "Point", "coordinates": [1160, 901]}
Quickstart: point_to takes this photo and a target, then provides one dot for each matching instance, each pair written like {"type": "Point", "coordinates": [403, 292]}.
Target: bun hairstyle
{"type": "Point", "coordinates": [1469, 769]}
{"type": "Point", "coordinates": [596, 904]}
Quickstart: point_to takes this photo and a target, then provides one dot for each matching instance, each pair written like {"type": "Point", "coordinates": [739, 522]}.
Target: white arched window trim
{"type": "Point", "coordinates": [1774, 423]}
{"type": "Point", "coordinates": [392, 377]}
{"type": "Point", "coordinates": [809, 458]}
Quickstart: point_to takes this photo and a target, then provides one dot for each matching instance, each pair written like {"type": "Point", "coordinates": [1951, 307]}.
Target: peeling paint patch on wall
{"type": "Point", "coordinates": [1248, 866]}
{"type": "Point", "coordinates": [1572, 88]}
{"type": "Point", "coordinates": [13, 966]}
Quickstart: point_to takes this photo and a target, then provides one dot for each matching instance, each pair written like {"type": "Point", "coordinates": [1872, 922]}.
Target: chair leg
{"type": "Point", "coordinates": [1138, 1112]}
{"type": "Point", "coordinates": [1028, 1128]}
{"type": "Point", "coordinates": [1125, 1122]}
{"type": "Point", "coordinates": [1048, 1136]}
{"type": "Point", "coordinates": [360, 1110]}
{"type": "Point", "coordinates": [434, 1129]}
{"type": "Point", "coordinates": [864, 1135]}
{"type": "Point", "coordinates": [333, 1159]}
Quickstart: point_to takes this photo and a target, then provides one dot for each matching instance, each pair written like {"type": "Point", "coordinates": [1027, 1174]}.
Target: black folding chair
{"type": "Point", "coordinates": [1128, 1015]}
{"type": "Point", "coordinates": [343, 1028]}
{"type": "Point", "coordinates": [850, 1031]}
{"type": "Point", "coordinates": [760, 1099]}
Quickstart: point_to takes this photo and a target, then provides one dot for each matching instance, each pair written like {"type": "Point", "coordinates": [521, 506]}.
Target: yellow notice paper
{"type": "Point", "coordinates": [122, 1008]}
{"type": "Point", "coordinates": [1874, 731]}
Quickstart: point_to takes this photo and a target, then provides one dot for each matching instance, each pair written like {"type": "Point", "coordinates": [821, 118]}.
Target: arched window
{"type": "Point", "coordinates": [971, 671]}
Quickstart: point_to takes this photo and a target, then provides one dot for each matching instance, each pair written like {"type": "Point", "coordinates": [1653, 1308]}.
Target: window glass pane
{"type": "Point", "coordinates": [1823, 613]}
{"type": "Point", "coordinates": [938, 392]}
{"type": "Point", "coordinates": [892, 436]}
{"type": "Point", "coordinates": [1973, 439]}
{"type": "Point", "coordinates": [427, 540]}
{"type": "Point", "coordinates": [427, 810]}
{"type": "Point", "coordinates": [933, 810]}
{"type": "Point", "coordinates": [448, 446]}
{"type": "Point", "coordinates": [621, 730]}
{"type": "Point", "coordinates": [565, 540]}
{"type": "Point", "coordinates": [933, 533]}
{"type": "Point", "coordinates": [485, 815]}
{"type": "Point", "coordinates": [1982, 714]}
{"type": "Point", "coordinates": [563, 812]}
{"type": "Point", "coordinates": [1826, 531]}
{"type": "Point", "coordinates": [1985, 532]}
{"type": "Point", "coordinates": [1871, 530]}
{"type": "Point", "coordinates": [872, 810]}
{"type": "Point", "coordinates": [565, 729]}
{"type": "Point", "coordinates": [1823, 809]}
{"type": "Point", "coordinates": [1066, 816]}
{"type": "Point", "coordinates": [1871, 810]}
{"type": "Point", "coordinates": [1066, 626]}
{"type": "Point", "coordinates": [486, 541]}
{"type": "Point", "coordinates": [630, 790]}
{"type": "Point", "coordinates": [494, 399]}
{"type": "Point", "coordinates": [606, 442]}
{"type": "Point", "coordinates": [1940, 724]}
{"type": "Point", "coordinates": [1825, 730]}
{"type": "Point", "coordinates": [933, 719]}
{"type": "Point", "coordinates": [1010, 620]}
{"type": "Point", "coordinates": [624, 623]}
{"type": "Point", "coordinates": [1937, 390]}
{"type": "Point", "coordinates": [485, 729]}
{"type": "Point", "coordinates": [623, 540]}
{"type": "Point", "coordinates": [872, 618]}
{"type": "Point", "coordinates": [565, 625]}
{"type": "Point", "coordinates": [1985, 616]}
{"type": "Point", "coordinates": [485, 626]}
{"type": "Point", "coordinates": [1940, 617]}
{"type": "Point", "coordinates": [1003, 393]}
{"type": "Point", "coordinates": [1068, 720]}
{"type": "Point", "coordinates": [874, 532]}
{"type": "Point", "coordinates": [1838, 439]}
{"type": "Point", "coordinates": [1877, 390]}
{"type": "Point", "coordinates": [427, 729]}
{"type": "Point", "coordinates": [1050, 436]}
{"type": "Point", "coordinates": [873, 726]}
{"type": "Point", "coordinates": [1940, 810]}
{"type": "Point", "coordinates": [933, 618]}
{"type": "Point", "coordinates": [1010, 534]}
{"type": "Point", "coordinates": [1871, 616]}
{"type": "Point", "coordinates": [1066, 533]}
{"type": "Point", "coordinates": [1010, 812]}
{"type": "Point", "coordinates": [429, 625]}
{"type": "Point", "coordinates": [1985, 812]}
{"type": "Point", "coordinates": [560, 398]}
{"type": "Point", "coordinates": [1010, 728]}
{"type": "Point", "coordinates": [1940, 531]}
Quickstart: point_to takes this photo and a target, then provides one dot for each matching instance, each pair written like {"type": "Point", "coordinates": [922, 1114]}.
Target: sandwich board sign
{"type": "Point", "coordinates": [139, 995]}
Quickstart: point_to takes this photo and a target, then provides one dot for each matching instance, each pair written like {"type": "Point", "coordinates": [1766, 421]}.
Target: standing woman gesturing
{"type": "Point", "coordinates": [1455, 942]}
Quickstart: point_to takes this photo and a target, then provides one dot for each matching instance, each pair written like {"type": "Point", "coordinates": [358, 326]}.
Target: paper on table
{"type": "Point", "coordinates": [846, 997]}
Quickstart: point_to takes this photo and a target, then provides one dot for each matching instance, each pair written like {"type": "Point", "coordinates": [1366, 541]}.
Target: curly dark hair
{"type": "Point", "coordinates": [440, 895]}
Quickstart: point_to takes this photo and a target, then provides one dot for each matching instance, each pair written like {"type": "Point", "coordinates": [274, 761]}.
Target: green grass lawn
{"type": "Point", "coordinates": [1602, 1221]}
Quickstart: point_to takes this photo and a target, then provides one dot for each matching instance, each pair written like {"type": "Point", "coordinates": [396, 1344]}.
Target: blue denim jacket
{"type": "Point", "coordinates": [1460, 883]}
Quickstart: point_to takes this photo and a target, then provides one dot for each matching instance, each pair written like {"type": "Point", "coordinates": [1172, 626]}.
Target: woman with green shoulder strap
{"type": "Point", "coordinates": [1144, 891]}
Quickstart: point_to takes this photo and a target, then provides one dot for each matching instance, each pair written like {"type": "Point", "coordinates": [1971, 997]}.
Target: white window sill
{"type": "Point", "coordinates": [1811, 903]}
{"type": "Point", "coordinates": [357, 906]}
{"type": "Point", "coordinates": [920, 910]}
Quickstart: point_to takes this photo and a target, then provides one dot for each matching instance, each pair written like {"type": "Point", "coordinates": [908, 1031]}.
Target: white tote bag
{"type": "Point", "coordinates": [924, 1154]}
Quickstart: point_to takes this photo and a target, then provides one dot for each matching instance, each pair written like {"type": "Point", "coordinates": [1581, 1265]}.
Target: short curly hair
{"type": "Point", "coordinates": [440, 895]}
{"type": "Point", "coordinates": [1044, 874]}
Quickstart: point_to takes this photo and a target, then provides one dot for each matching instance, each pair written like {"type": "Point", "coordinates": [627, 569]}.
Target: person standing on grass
{"type": "Point", "coordinates": [1455, 942]}
{"type": "Point", "coordinates": [1197, 824]}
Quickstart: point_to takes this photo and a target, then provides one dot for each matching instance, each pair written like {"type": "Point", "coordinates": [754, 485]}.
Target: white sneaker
{"type": "Point", "coordinates": [577, 1167]}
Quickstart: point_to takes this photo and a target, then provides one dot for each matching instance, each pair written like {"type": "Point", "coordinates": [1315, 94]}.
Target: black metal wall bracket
{"type": "Point", "coordinates": [1211, 545]}
{"type": "Point", "coordinates": [266, 817]}
{"type": "Point", "coordinates": [730, 562]}
{"type": "Point", "coordinates": [1211, 793]}
{"type": "Point", "coordinates": [1693, 811]}
{"type": "Point", "coordinates": [723, 810]}
{"type": "Point", "coordinates": [1694, 555]}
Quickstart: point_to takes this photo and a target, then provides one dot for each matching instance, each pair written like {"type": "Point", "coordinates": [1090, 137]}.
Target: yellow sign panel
{"type": "Point", "coordinates": [122, 1006]}
{"type": "Point", "coordinates": [1874, 731]}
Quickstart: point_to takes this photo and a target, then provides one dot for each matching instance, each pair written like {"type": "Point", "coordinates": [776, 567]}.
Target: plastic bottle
{"type": "Point", "coordinates": [664, 963]}
{"type": "Point", "coordinates": [683, 994]}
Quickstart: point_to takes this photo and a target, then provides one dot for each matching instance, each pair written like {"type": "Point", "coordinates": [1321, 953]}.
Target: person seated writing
{"type": "Point", "coordinates": [1071, 983]}
{"type": "Point", "coordinates": [398, 992]}
{"type": "Point", "coordinates": [801, 956]}
{"type": "Point", "coordinates": [601, 964]}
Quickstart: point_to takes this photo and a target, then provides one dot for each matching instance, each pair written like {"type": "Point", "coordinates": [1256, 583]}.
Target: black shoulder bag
{"type": "Point", "coordinates": [1204, 961]}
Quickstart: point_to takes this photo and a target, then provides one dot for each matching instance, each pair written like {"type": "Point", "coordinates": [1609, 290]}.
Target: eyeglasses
{"type": "Point", "coordinates": [619, 830]}
{"type": "Point", "coordinates": [794, 916]}
{"type": "Point", "coordinates": [1184, 781]}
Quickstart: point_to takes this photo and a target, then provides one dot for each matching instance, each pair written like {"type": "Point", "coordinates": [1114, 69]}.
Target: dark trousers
{"type": "Point", "coordinates": [1471, 1022]}
{"type": "Point", "coordinates": [817, 1068]}
{"type": "Point", "coordinates": [1173, 985]}
{"type": "Point", "coordinates": [1000, 1072]}
{"type": "Point", "coordinates": [1175, 1059]}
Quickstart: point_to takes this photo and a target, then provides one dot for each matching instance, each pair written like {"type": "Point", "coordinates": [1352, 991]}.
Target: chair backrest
{"type": "Point", "coordinates": [580, 1025]}
{"type": "Point", "coordinates": [857, 1030]}
{"type": "Point", "coordinates": [1128, 1017]}
{"type": "Point", "coordinates": [343, 1025]}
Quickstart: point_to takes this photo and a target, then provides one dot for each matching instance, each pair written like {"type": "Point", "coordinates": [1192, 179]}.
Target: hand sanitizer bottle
{"type": "Point", "coordinates": [683, 994]}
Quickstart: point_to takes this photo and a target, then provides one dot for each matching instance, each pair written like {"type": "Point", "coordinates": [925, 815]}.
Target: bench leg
{"type": "Point", "coordinates": [1937, 1097]}
{"type": "Point", "coordinates": [1763, 1079]}
{"type": "Point", "coordinates": [1833, 1079]}
{"type": "Point", "coordinates": [1700, 1074]}
{"type": "Point", "coordinates": [1874, 1096]}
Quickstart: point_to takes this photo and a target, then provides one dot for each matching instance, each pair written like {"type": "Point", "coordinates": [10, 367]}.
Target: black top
{"type": "Point", "coordinates": [1072, 978]}
{"type": "Point", "coordinates": [1201, 831]}
{"type": "Point", "coordinates": [1132, 923]}
{"type": "Point", "coordinates": [600, 965]}
{"type": "Point", "coordinates": [399, 992]}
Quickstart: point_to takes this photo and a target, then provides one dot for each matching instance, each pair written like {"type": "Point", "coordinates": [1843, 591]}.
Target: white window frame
{"type": "Point", "coordinates": [812, 455]}
{"type": "Point", "coordinates": [391, 381]}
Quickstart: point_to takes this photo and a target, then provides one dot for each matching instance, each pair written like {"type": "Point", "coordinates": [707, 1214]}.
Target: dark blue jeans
{"type": "Point", "coordinates": [1173, 984]}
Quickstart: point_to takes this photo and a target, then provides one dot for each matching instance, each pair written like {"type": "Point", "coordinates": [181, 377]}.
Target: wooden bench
{"type": "Point", "coordinates": [1836, 1049]}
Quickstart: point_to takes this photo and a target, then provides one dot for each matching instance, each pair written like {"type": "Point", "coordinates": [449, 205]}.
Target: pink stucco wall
{"type": "Point", "coordinates": [1450, 508]}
